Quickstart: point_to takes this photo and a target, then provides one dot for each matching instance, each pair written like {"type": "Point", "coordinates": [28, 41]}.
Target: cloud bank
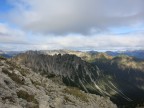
{"type": "Point", "coordinates": [76, 16]}
{"type": "Point", "coordinates": [72, 24]}
{"type": "Point", "coordinates": [11, 39]}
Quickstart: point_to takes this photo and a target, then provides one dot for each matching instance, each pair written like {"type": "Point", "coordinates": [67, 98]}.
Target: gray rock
{"type": "Point", "coordinates": [22, 88]}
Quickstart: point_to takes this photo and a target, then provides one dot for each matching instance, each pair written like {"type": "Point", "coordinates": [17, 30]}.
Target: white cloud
{"type": "Point", "coordinates": [11, 35]}
{"type": "Point", "coordinates": [79, 42]}
{"type": "Point", "coordinates": [101, 42]}
{"type": "Point", "coordinates": [75, 24]}
{"type": "Point", "coordinates": [76, 16]}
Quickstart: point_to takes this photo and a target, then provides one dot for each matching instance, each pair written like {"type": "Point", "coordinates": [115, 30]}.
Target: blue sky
{"type": "Point", "coordinates": [76, 25]}
{"type": "Point", "coordinates": [4, 6]}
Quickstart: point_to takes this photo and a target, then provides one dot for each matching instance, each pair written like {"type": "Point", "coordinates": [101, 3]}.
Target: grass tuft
{"type": "Point", "coordinates": [24, 95]}
{"type": "Point", "coordinates": [77, 93]}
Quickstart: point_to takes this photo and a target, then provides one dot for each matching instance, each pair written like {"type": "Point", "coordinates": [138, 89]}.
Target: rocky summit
{"type": "Point", "coordinates": [20, 87]}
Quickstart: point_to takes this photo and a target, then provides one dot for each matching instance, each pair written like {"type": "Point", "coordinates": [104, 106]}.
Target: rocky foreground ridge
{"type": "Point", "coordinates": [20, 87]}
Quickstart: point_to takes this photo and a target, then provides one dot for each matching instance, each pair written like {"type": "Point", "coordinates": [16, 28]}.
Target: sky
{"type": "Point", "coordinates": [71, 24]}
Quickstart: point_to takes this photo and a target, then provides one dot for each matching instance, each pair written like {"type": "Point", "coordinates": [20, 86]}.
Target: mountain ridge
{"type": "Point", "coordinates": [106, 75]}
{"type": "Point", "coordinates": [20, 87]}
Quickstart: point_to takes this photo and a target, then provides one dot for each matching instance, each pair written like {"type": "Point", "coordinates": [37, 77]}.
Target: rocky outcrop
{"type": "Point", "coordinates": [84, 55]}
{"type": "Point", "coordinates": [20, 87]}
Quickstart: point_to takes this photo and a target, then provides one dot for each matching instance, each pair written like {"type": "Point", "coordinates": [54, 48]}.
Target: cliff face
{"type": "Point", "coordinates": [20, 87]}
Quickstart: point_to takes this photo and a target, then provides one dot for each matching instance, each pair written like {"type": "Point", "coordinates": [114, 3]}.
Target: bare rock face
{"type": "Point", "coordinates": [20, 87]}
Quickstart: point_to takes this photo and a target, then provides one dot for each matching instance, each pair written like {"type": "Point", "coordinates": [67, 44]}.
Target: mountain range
{"type": "Point", "coordinates": [117, 75]}
{"type": "Point", "coordinates": [134, 53]}
{"type": "Point", "coordinates": [20, 87]}
{"type": "Point", "coordinates": [120, 77]}
{"type": "Point", "coordinates": [9, 54]}
{"type": "Point", "coordinates": [88, 55]}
